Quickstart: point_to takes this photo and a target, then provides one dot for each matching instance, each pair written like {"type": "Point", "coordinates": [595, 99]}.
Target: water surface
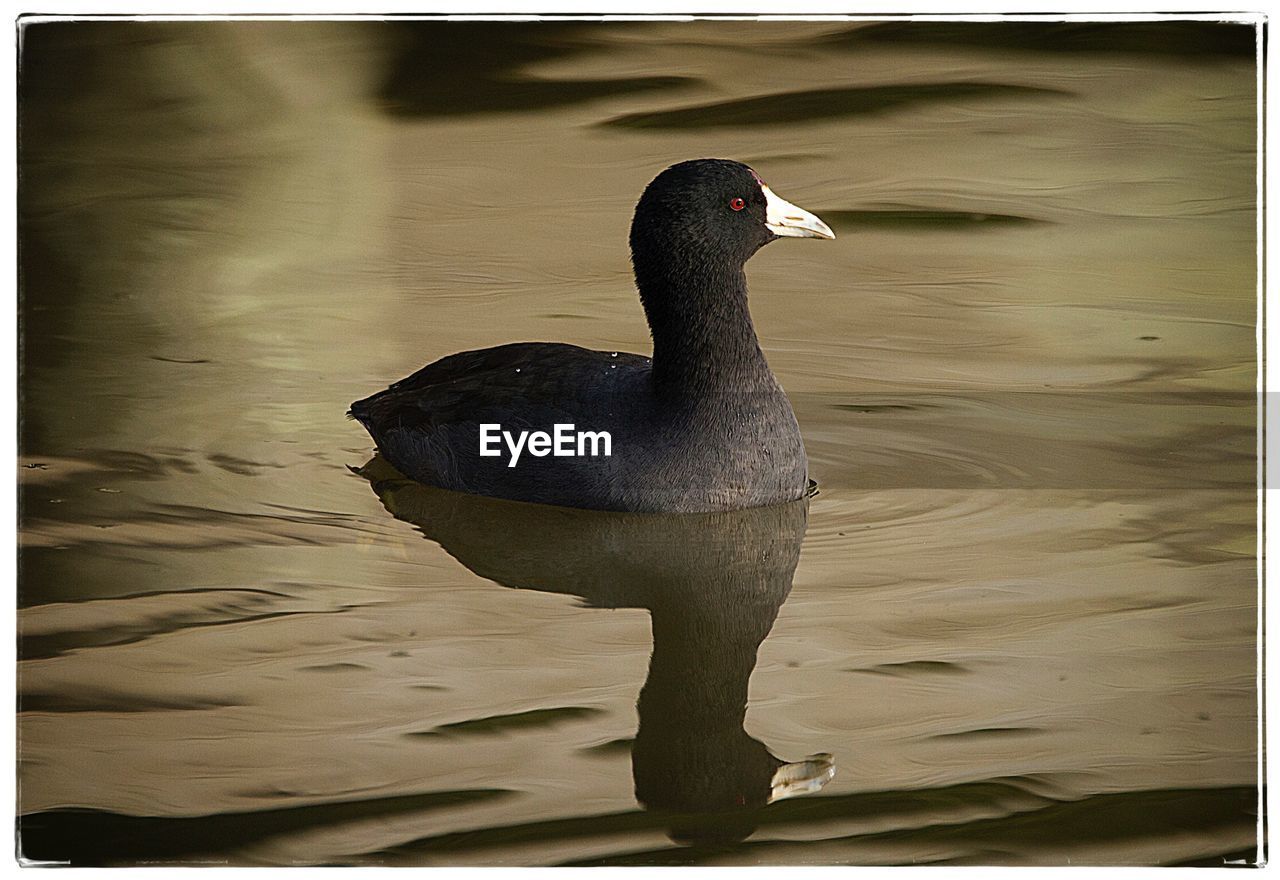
{"type": "Point", "coordinates": [1018, 620]}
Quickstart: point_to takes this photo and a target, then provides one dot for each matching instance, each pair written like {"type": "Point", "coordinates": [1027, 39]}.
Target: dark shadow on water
{"type": "Point", "coordinates": [1100, 820]}
{"type": "Point", "coordinates": [902, 806]}
{"type": "Point", "coordinates": [102, 700]}
{"type": "Point", "coordinates": [915, 667]}
{"type": "Point", "coordinates": [1239, 858]}
{"type": "Point", "coordinates": [495, 724]}
{"type": "Point", "coordinates": [922, 219]}
{"type": "Point", "coordinates": [612, 747]}
{"type": "Point", "coordinates": [987, 732]}
{"type": "Point", "coordinates": [804, 106]}
{"type": "Point", "coordinates": [1016, 821]}
{"type": "Point", "coordinates": [1188, 39]}
{"type": "Point", "coordinates": [87, 838]}
{"type": "Point", "coordinates": [465, 68]}
{"type": "Point", "coordinates": [712, 584]}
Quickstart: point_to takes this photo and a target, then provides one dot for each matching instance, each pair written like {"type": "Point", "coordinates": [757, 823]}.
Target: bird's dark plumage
{"type": "Point", "coordinates": [700, 426]}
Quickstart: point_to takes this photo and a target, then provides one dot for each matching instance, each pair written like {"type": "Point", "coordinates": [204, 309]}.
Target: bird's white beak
{"type": "Point", "coordinates": [785, 219]}
{"type": "Point", "coordinates": [802, 777]}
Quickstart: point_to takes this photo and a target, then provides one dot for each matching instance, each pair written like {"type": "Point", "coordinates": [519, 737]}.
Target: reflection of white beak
{"type": "Point", "coordinates": [802, 777]}
{"type": "Point", "coordinates": [784, 218]}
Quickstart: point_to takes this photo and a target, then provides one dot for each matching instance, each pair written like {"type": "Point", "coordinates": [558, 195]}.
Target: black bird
{"type": "Point", "coordinates": [700, 426]}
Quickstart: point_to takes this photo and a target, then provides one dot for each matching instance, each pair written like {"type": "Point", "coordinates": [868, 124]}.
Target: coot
{"type": "Point", "coordinates": [700, 426]}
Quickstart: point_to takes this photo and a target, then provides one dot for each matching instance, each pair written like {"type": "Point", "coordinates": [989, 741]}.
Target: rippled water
{"type": "Point", "coordinates": [1018, 619]}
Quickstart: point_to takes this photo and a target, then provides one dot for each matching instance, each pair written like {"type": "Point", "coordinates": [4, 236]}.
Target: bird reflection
{"type": "Point", "coordinates": [713, 584]}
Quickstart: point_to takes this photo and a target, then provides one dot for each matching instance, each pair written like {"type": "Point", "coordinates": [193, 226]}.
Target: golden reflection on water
{"type": "Point", "coordinates": [1024, 372]}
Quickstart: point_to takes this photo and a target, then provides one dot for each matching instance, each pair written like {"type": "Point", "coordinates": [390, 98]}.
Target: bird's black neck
{"type": "Point", "coordinates": [703, 338]}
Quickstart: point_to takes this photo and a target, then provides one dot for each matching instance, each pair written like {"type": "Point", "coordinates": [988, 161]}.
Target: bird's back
{"type": "Point", "coordinates": [717, 452]}
{"type": "Point", "coordinates": [428, 425]}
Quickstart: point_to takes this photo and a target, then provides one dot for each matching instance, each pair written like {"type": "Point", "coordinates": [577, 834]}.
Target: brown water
{"type": "Point", "coordinates": [1022, 618]}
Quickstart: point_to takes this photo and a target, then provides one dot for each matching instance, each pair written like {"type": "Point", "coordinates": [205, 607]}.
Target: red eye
{"type": "Point", "coordinates": [738, 204]}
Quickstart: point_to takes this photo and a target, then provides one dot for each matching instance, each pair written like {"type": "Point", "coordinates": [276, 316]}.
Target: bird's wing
{"type": "Point", "coordinates": [524, 377]}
